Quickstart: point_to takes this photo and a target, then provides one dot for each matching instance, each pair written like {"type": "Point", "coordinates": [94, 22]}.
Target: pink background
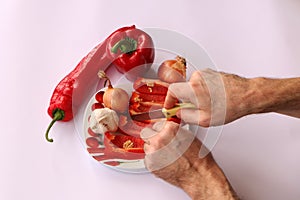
{"type": "Point", "coordinates": [41, 41]}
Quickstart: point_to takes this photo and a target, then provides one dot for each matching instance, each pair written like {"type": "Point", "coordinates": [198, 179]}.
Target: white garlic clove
{"type": "Point", "coordinates": [103, 120]}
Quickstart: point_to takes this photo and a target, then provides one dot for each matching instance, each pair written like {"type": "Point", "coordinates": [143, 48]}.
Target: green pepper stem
{"type": "Point", "coordinates": [58, 114]}
{"type": "Point", "coordinates": [126, 45]}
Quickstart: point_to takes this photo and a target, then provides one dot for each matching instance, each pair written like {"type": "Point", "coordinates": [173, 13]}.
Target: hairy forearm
{"type": "Point", "coordinates": [207, 181]}
{"type": "Point", "coordinates": [200, 178]}
{"type": "Point", "coordinates": [245, 96]}
{"type": "Point", "coordinates": [276, 95]}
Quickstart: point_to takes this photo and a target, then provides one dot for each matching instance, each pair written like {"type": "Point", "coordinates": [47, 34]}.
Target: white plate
{"type": "Point", "coordinates": [168, 45]}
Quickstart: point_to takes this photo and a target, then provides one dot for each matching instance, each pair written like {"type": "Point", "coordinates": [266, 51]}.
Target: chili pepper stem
{"type": "Point", "coordinates": [57, 115]}
{"type": "Point", "coordinates": [126, 45]}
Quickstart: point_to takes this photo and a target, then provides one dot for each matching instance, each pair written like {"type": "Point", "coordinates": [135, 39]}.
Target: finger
{"type": "Point", "coordinates": [158, 158]}
{"type": "Point", "coordinates": [157, 140]}
{"type": "Point", "coordinates": [147, 133]}
{"type": "Point", "coordinates": [167, 133]}
{"type": "Point", "coordinates": [158, 126]}
{"type": "Point", "coordinates": [171, 98]}
{"type": "Point", "coordinates": [147, 148]}
{"type": "Point", "coordinates": [171, 127]}
{"type": "Point", "coordinates": [179, 91]}
{"type": "Point", "coordinates": [194, 116]}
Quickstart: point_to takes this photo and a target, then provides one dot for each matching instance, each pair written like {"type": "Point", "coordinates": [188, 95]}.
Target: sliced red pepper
{"type": "Point", "coordinates": [114, 147]}
{"type": "Point", "coordinates": [92, 133]}
{"type": "Point", "coordinates": [145, 106]}
{"type": "Point", "coordinates": [92, 142]}
{"type": "Point", "coordinates": [112, 163]}
{"type": "Point", "coordinates": [145, 97]}
{"type": "Point", "coordinates": [119, 140]}
{"type": "Point", "coordinates": [175, 119]}
{"type": "Point", "coordinates": [101, 157]}
{"type": "Point", "coordinates": [151, 86]}
{"type": "Point", "coordinates": [133, 128]}
{"type": "Point", "coordinates": [95, 150]}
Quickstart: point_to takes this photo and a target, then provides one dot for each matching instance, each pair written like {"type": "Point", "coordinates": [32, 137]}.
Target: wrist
{"type": "Point", "coordinates": [255, 98]}
{"type": "Point", "coordinates": [207, 181]}
{"type": "Point", "coordinates": [275, 95]}
{"type": "Point", "coordinates": [247, 96]}
{"type": "Point", "coordinates": [239, 95]}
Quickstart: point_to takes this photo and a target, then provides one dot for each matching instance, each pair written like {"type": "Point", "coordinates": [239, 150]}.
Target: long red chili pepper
{"type": "Point", "coordinates": [60, 108]}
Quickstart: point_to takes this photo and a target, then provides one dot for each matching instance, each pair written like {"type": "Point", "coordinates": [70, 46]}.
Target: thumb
{"type": "Point", "coordinates": [180, 91]}
{"type": "Point", "coordinates": [194, 116]}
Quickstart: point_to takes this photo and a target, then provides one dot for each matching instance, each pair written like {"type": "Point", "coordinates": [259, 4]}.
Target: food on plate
{"type": "Point", "coordinates": [149, 94]}
{"type": "Point", "coordinates": [172, 71]}
{"type": "Point", "coordinates": [123, 146]}
{"type": "Point", "coordinates": [145, 97]}
{"type": "Point", "coordinates": [103, 120]}
{"type": "Point", "coordinates": [132, 52]}
{"type": "Point", "coordinates": [116, 146]}
{"type": "Point", "coordinates": [114, 98]}
{"type": "Point", "coordinates": [92, 142]}
{"type": "Point", "coordinates": [99, 96]}
{"type": "Point", "coordinates": [131, 127]}
{"type": "Point", "coordinates": [97, 106]}
{"type": "Point", "coordinates": [150, 86]}
{"type": "Point", "coordinates": [112, 135]}
{"type": "Point", "coordinates": [139, 107]}
{"type": "Point", "coordinates": [143, 102]}
{"type": "Point", "coordinates": [124, 142]}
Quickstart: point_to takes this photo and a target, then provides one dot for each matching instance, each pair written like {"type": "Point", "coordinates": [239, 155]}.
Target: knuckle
{"type": "Point", "coordinates": [195, 75]}
{"type": "Point", "coordinates": [158, 142]}
{"type": "Point", "coordinates": [172, 87]}
{"type": "Point", "coordinates": [194, 84]}
{"type": "Point", "coordinates": [171, 127]}
{"type": "Point", "coordinates": [158, 126]}
{"type": "Point", "coordinates": [144, 133]}
{"type": "Point", "coordinates": [204, 121]}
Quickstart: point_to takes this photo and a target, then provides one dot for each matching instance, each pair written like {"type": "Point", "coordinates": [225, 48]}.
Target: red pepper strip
{"type": "Point", "coordinates": [132, 51]}
{"type": "Point", "coordinates": [114, 147]}
{"type": "Point", "coordinates": [112, 163]}
{"type": "Point", "coordinates": [151, 86]}
{"type": "Point", "coordinates": [92, 133]}
{"type": "Point", "coordinates": [144, 106]}
{"type": "Point", "coordinates": [143, 97]}
{"type": "Point", "coordinates": [133, 128]}
{"type": "Point", "coordinates": [95, 150]}
{"type": "Point", "coordinates": [60, 108]}
{"type": "Point", "coordinates": [101, 157]}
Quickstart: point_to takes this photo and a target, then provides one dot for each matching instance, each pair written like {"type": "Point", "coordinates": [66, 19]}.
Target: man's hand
{"type": "Point", "coordinates": [217, 97]}
{"type": "Point", "coordinates": [172, 155]}
{"type": "Point", "coordinates": [221, 98]}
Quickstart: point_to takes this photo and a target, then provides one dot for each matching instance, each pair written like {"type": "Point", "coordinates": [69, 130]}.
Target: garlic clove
{"type": "Point", "coordinates": [103, 120]}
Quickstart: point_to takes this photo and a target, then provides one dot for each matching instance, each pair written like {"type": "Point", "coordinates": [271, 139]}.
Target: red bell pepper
{"type": "Point", "coordinates": [132, 51]}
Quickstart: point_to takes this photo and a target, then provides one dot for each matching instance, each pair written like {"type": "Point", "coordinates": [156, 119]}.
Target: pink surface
{"type": "Point", "coordinates": [41, 41]}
